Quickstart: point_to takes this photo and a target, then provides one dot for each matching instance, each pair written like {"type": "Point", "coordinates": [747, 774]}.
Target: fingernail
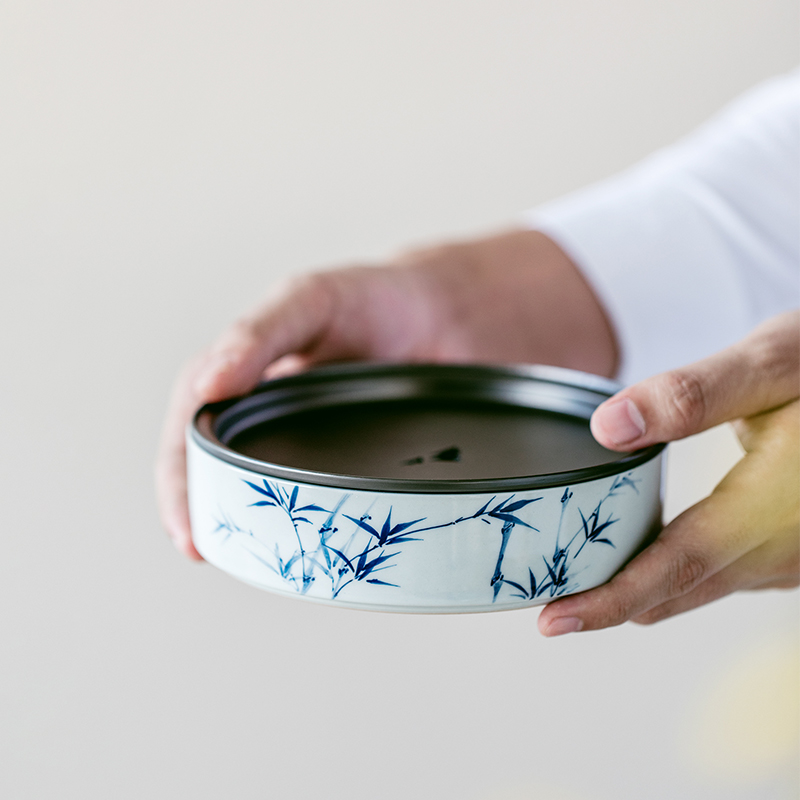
{"type": "Point", "coordinates": [215, 366]}
{"type": "Point", "coordinates": [562, 625]}
{"type": "Point", "coordinates": [622, 421]}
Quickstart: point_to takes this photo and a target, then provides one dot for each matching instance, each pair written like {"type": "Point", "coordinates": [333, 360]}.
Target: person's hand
{"type": "Point", "coordinates": [515, 297]}
{"type": "Point", "coordinates": [746, 535]}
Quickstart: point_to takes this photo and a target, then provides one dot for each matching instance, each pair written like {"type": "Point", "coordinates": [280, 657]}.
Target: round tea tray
{"type": "Point", "coordinates": [419, 487]}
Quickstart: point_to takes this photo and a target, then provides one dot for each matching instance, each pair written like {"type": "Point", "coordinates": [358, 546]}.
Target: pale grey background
{"type": "Point", "coordinates": [161, 164]}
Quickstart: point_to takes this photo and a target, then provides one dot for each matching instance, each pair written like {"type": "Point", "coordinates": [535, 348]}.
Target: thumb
{"type": "Point", "coordinates": [293, 317]}
{"type": "Point", "coordinates": [759, 373]}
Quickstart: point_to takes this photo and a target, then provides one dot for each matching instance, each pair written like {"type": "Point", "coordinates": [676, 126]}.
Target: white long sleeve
{"type": "Point", "coordinates": [693, 247]}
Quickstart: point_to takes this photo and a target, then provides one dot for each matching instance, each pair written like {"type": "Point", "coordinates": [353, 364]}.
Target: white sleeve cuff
{"type": "Point", "coordinates": [689, 250]}
{"type": "Point", "coordinates": [665, 311]}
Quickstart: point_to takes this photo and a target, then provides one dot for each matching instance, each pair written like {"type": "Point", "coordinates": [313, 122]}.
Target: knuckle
{"type": "Point", "coordinates": [773, 349]}
{"type": "Point", "coordinates": [685, 570]}
{"type": "Point", "coordinates": [651, 617]}
{"type": "Point", "coordinates": [240, 337]}
{"type": "Point", "coordinates": [685, 400]}
{"type": "Point", "coordinates": [244, 329]}
{"type": "Point", "coordinates": [303, 293]}
{"type": "Point", "coordinates": [618, 606]}
{"type": "Point", "coordinates": [307, 284]}
{"type": "Point", "coordinates": [314, 293]}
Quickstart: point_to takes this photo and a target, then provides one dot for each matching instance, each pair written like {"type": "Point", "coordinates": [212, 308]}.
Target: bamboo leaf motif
{"type": "Point", "coordinates": [519, 504]}
{"type": "Point", "coordinates": [557, 577]}
{"type": "Point", "coordinates": [311, 507]}
{"type": "Point", "coordinates": [401, 539]}
{"type": "Point", "coordinates": [362, 562]}
{"type": "Point", "coordinates": [405, 525]}
{"type": "Point", "coordinates": [372, 565]}
{"type": "Point", "coordinates": [521, 589]}
{"type": "Point", "coordinates": [343, 558]}
{"type": "Point", "coordinates": [503, 511]}
{"type": "Point", "coordinates": [364, 525]}
{"type": "Point", "coordinates": [482, 510]}
{"type": "Point", "coordinates": [386, 529]}
{"type": "Point", "coordinates": [267, 490]}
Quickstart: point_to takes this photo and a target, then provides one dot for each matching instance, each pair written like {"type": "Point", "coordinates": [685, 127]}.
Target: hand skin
{"type": "Point", "coordinates": [746, 534]}
{"type": "Point", "coordinates": [513, 297]}
{"type": "Point", "coordinates": [516, 297]}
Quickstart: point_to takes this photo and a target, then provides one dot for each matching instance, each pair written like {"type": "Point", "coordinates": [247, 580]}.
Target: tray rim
{"type": "Point", "coordinates": [202, 429]}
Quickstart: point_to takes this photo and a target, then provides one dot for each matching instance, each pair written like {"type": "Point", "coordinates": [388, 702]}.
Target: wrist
{"type": "Point", "coordinates": [515, 297]}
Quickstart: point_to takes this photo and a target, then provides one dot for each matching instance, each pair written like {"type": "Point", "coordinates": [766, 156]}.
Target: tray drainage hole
{"type": "Point", "coordinates": [449, 454]}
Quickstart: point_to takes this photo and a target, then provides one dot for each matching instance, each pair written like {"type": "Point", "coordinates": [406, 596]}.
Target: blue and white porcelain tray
{"type": "Point", "coordinates": [419, 488]}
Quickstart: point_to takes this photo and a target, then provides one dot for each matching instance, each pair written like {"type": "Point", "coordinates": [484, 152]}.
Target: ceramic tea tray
{"type": "Point", "coordinates": [419, 487]}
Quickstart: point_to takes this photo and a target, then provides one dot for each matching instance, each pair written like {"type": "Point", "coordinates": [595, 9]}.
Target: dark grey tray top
{"type": "Point", "coordinates": [425, 428]}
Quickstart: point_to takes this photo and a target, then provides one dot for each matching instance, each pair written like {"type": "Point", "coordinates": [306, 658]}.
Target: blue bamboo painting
{"type": "Point", "coordinates": [559, 576]}
{"type": "Point", "coordinates": [338, 550]}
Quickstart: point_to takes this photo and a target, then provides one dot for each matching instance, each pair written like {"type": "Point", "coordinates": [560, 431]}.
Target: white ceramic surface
{"type": "Point", "coordinates": [419, 552]}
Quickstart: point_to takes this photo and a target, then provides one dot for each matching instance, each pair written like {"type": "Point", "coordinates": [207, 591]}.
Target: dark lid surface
{"type": "Point", "coordinates": [420, 428]}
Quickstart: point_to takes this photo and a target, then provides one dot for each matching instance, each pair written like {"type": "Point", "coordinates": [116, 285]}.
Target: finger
{"type": "Point", "coordinates": [170, 469]}
{"type": "Point", "coordinates": [173, 504]}
{"type": "Point", "coordinates": [759, 373]}
{"type": "Point", "coordinates": [293, 319]}
{"type": "Point", "coordinates": [286, 366]}
{"type": "Point", "coordinates": [688, 552]}
{"type": "Point", "coordinates": [290, 322]}
{"type": "Point", "coordinates": [717, 586]}
{"type": "Point", "coordinates": [774, 433]}
{"type": "Point", "coordinates": [774, 565]}
{"type": "Point", "coordinates": [743, 536]}
{"type": "Point", "coordinates": [268, 342]}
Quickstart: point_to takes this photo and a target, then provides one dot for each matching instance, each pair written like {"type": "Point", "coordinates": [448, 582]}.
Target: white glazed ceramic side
{"type": "Point", "coordinates": [418, 552]}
